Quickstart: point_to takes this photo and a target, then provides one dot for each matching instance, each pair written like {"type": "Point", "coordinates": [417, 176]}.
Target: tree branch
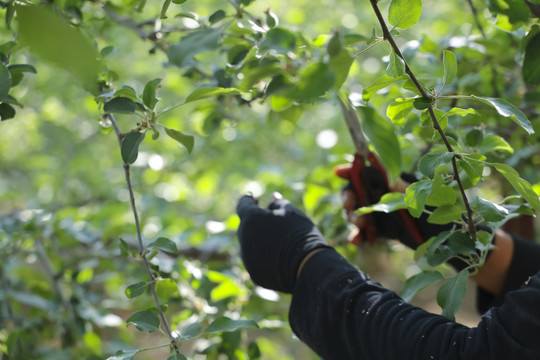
{"type": "Point", "coordinates": [388, 37]}
{"type": "Point", "coordinates": [142, 249]}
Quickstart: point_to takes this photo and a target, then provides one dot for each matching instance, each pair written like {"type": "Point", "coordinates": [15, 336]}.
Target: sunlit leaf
{"type": "Point", "coordinates": [314, 81]}
{"type": "Point", "coordinates": [396, 66]}
{"type": "Point", "coordinates": [206, 92]}
{"type": "Point", "coordinates": [442, 195]}
{"type": "Point", "coordinates": [399, 109]}
{"type": "Point", "coordinates": [124, 355]}
{"type": "Point", "coordinates": [416, 196]}
{"type": "Point", "coordinates": [506, 109]}
{"type": "Point", "coordinates": [522, 186]}
{"type": "Point", "coordinates": [149, 96]}
{"type": "Point", "coordinates": [379, 84]}
{"type": "Point", "coordinates": [165, 289]}
{"type": "Point", "coordinates": [495, 143]}
{"type": "Point", "coordinates": [389, 202]}
{"type": "Point", "coordinates": [445, 214]}
{"type": "Point", "coordinates": [404, 13]}
{"type": "Point", "coordinates": [164, 244]}
{"type": "Point", "coordinates": [187, 141]}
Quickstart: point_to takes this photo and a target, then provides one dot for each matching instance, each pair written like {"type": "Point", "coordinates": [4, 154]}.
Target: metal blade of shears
{"type": "Point", "coordinates": [353, 124]}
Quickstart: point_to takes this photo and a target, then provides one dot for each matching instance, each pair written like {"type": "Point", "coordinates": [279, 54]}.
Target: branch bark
{"type": "Point", "coordinates": [388, 37]}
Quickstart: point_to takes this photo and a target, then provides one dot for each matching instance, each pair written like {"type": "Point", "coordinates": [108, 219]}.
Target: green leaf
{"type": "Point", "coordinates": [6, 112]}
{"type": "Point", "coordinates": [429, 162]}
{"type": "Point", "coordinates": [177, 357]}
{"type": "Point", "coordinates": [506, 109]}
{"type": "Point", "coordinates": [416, 196]}
{"type": "Point", "coordinates": [130, 146]}
{"type": "Point", "coordinates": [278, 40]}
{"type": "Point", "coordinates": [136, 289]}
{"type": "Point", "coordinates": [206, 92]}
{"type": "Point", "coordinates": [126, 92]}
{"type": "Point", "coordinates": [495, 143]}
{"type": "Point", "coordinates": [191, 331]}
{"type": "Point", "coordinates": [182, 54]}
{"type": "Point", "coordinates": [17, 72]}
{"type": "Point", "coordinates": [123, 355]}
{"type": "Point", "coordinates": [417, 282]}
{"type": "Point", "coordinates": [164, 8]}
{"type": "Point", "coordinates": [522, 186]}
{"type": "Point", "coordinates": [441, 195]}
{"type": "Point", "coordinates": [451, 294]}
{"type": "Point", "coordinates": [216, 16]}
{"type": "Point", "coordinates": [473, 170]}
{"type": "Point", "coordinates": [379, 84]}
{"type": "Point", "coordinates": [340, 65]}
{"type": "Point", "coordinates": [389, 202]}
{"type": "Point", "coordinates": [225, 324]}
{"type": "Point", "coordinates": [381, 134]}
{"type": "Point", "coordinates": [164, 244]}
{"type": "Point", "coordinates": [445, 214]}
{"type": "Point", "coordinates": [5, 81]}
{"type": "Point", "coordinates": [396, 66]}
{"type": "Point", "coordinates": [404, 13]}
{"type": "Point", "coordinates": [54, 40]}
{"type": "Point", "coordinates": [399, 109]}
{"type": "Point", "coordinates": [422, 103]}
{"type": "Point", "coordinates": [314, 81]}
{"type": "Point", "coordinates": [144, 320]}
{"type": "Point", "coordinates": [149, 96]}
{"type": "Point", "coordinates": [120, 105]}
{"type": "Point", "coordinates": [187, 141]}
{"type": "Point", "coordinates": [166, 289]}
{"type": "Point", "coordinates": [450, 67]}
{"type": "Point", "coordinates": [531, 61]}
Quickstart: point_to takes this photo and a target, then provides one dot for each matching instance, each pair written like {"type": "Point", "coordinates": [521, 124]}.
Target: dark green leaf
{"type": "Point", "coordinates": [17, 72]}
{"type": "Point", "coordinates": [130, 146]}
{"type": "Point", "coordinates": [182, 54]}
{"type": "Point", "coordinates": [473, 171]}
{"type": "Point", "coordinates": [416, 195]}
{"type": "Point", "coordinates": [522, 186]}
{"type": "Point", "coordinates": [164, 8]}
{"type": "Point", "coordinates": [57, 42]}
{"type": "Point", "coordinates": [123, 355]}
{"type": "Point", "coordinates": [120, 105]}
{"type": "Point", "coordinates": [271, 19]}
{"type": "Point", "coordinates": [164, 244]}
{"type": "Point", "coordinates": [429, 162]}
{"type": "Point", "coordinates": [179, 1]}
{"type": "Point", "coordinates": [314, 81]}
{"type": "Point", "coordinates": [422, 103]}
{"type": "Point", "coordinates": [225, 324]}
{"type": "Point", "coordinates": [177, 357]}
{"type": "Point", "coordinates": [278, 40]}
{"type": "Point", "coordinates": [451, 294]}
{"type": "Point", "coordinates": [516, 10]}
{"type": "Point", "coordinates": [473, 137]}
{"type": "Point", "coordinates": [187, 141]}
{"type": "Point", "coordinates": [396, 66]}
{"type": "Point", "coordinates": [404, 13]}
{"type": "Point", "coordinates": [531, 62]}
{"type": "Point", "coordinates": [450, 67]}
{"type": "Point", "coordinates": [6, 112]}
{"type": "Point", "coordinates": [144, 320]}
{"type": "Point", "coordinates": [126, 92]}
{"type": "Point", "coordinates": [417, 282]}
{"type": "Point", "coordinates": [506, 109]}
{"type": "Point", "coordinates": [149, 96]}
{"type": "Point", "coordinates": [216, 17]}
{"type": "Point", "coordinates": [381, 134]}
{"type": "Point", "coordinates": [445, 214]}
{"type": "Point", "coordinates": [460, 242]}
{"type": "Point", "coordinates": [191, 331]}
{"type": "Point", "coordinates": [206, 92]}
{"type": "Point", "coordinates": [340, 65]}
{"type": "Point", "coordinates": [254, 353]}
{"type": "Point", "coordinates": [5, 81]}
{"type": "Point", "coordinates": [136, 289]}
{"type": "Point", "coordinates": [379, 84]}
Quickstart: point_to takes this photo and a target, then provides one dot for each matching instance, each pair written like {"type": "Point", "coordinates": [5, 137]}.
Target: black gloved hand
{"type": "Point", "coordinates": [274, 241]}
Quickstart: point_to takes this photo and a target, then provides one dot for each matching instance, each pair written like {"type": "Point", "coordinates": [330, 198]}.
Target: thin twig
{"type": "Point", "coordinates": [388, 37]}
{"type": "Point", "coordinates": [241, 10]}
{"type": "Point", "coordinates": [142, 249]}
{"type": "Point", "coordinates": [476, 19]}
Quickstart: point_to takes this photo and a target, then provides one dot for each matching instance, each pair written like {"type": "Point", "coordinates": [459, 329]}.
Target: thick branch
{"type": "Point", "coordinates": [142, 249]}
{"type": "Point", "coordinates": [388, 37]}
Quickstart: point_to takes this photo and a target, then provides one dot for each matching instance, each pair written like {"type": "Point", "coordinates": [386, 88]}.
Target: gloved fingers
{"type": "Point", "coordinates": [247, 205]}
{"type": "Point", "coordinates": [343, 171]}
{"type": "Point", "coordinates": [349, 199]}
{"type": "Point", "coordinates": [281, 206]}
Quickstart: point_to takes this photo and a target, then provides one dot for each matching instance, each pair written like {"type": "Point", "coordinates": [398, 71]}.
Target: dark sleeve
{"type": "Point", "coordinates": [525, 263]}
{"type": "Point", "coordinates": [341, 314]}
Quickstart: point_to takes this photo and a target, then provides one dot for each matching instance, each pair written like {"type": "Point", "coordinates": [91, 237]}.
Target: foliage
{"type": "Point", "coordinates": [247, 93]}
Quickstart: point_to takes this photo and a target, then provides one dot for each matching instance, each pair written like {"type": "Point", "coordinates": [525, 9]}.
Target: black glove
{"type": "Point", "coordinates": [274, 241]}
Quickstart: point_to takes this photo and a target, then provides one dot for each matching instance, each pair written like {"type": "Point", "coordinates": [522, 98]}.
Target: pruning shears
{"type": "Point", "coordinates": [364, 169]}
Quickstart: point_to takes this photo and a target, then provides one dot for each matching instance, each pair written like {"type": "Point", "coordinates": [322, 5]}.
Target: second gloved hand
{"type": "Point", "coordinates": [274, 241]}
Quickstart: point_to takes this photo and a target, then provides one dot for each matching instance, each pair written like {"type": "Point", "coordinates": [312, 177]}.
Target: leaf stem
{"type": "Point", "coordinates": [369, 47]}
{"type": "Point", "coordinates": [241, 10]}
{"type": "Point", "coordinates": [142, 249]}
{"type": "Point", "coordinates": [388, 37]}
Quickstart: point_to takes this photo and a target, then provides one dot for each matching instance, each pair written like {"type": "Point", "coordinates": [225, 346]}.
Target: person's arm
{"type": "Point", "coordinates": [341, 314]}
